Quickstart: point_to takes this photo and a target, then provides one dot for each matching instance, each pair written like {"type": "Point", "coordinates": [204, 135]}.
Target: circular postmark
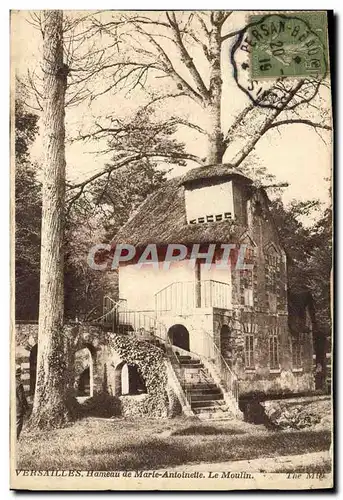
{"type": "Point", "coordinates": [279, 60]}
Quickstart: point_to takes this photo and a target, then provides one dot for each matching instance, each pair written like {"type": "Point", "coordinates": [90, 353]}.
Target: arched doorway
{"type": "Point", "coordinates": [128, 380]}
{"type": "Point", "coordinates": [84, 372]}
{"type": "Point", "coordinates": [226, 344]}
{"type": "Point", "coordinates": [179, 336]}
{"type": "Point", "coordinates": [84, 383]}
{"type": "Point", "coordinates": [33, 369]}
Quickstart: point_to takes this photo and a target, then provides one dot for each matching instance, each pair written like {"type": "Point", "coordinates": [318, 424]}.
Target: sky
{"type": "Point", "coordinates": [295, 154]}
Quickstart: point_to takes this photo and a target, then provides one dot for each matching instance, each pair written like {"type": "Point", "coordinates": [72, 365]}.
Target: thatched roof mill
{"type": "Point", "coordinates": [162, 218]}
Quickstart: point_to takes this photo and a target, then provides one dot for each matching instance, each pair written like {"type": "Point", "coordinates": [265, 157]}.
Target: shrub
{"type": "Point", "coordinates": [101, 405]}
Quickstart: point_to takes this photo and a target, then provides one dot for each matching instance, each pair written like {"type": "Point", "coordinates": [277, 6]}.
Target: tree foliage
{"type": "Point", "coordinates": [27, 214]}
{"type": "Point", "coordinates": [96, 215]}
{"type": "Point", "coordinates": [167, 57]}
{"type": "Point", "coordinates": [309, 252]}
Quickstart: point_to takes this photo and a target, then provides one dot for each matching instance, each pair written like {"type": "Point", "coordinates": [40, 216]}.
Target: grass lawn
{"type": "Point", "coordinates": [123, 444]}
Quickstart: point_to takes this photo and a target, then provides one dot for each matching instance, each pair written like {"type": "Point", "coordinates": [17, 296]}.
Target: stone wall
{"type": "Point", "coordinates": [299, 413]}
{"type": "Point", "coordinates": [149, 360]}
{"type": "Point", "coordinates": [197, 322]}
{"type": "Point", "coordinates": [261, 377]}
{"type": "Point", "coordinates": [90, 336]}
{"type": "Point", "coordinates": [261, 237]}
{"type": "Point", "coordinates": [109, 353]}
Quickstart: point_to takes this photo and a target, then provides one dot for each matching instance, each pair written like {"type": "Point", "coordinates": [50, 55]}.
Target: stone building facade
{"type": "Point", "coordinates": [250, 326]}
{"type": "Point", "coordinates": [228, 331]}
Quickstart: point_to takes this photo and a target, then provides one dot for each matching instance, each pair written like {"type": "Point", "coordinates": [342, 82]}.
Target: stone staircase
{"type": "Point", "coordinates": [203, 394]}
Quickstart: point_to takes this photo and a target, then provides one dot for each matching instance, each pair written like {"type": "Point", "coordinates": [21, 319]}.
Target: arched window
{"type": "Point", "coordinates": [250, 330]}
{"type": "Point", "coordinates": [247, 276]}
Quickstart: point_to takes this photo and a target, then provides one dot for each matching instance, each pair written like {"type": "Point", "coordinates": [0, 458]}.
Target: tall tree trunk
{"type": "Point", "coordinates": [216, 140]}
{"type": "Point", "coordinates": [49, 409]}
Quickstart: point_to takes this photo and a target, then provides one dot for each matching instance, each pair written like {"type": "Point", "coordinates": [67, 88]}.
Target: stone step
{"type": "Point", "coordinates": [213, 414]}
{"type": "Point", "coordinates": [206, 397]}
{"type": "Point", "coordinates": [192, 379]}
{"type": "Point", "coordinates": [208, 391]}
{"type": "Point", "coordinates": [187, 362]}
{"type": "Point", "coordinates": [207, 404]}
{"type": "Point", "coordinates": [191, 367]}
{"type": "Point", "coordinates": [202, 386]}
{"type": "Point", "coordinates": [182, 356]}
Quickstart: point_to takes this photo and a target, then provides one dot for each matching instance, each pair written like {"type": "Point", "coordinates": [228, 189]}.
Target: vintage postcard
{"type": "Point", "coordinates": [171, 178]}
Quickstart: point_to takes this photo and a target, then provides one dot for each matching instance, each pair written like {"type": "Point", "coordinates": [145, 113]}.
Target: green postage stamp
{"type": "Point", "coordinates": [289, 44]}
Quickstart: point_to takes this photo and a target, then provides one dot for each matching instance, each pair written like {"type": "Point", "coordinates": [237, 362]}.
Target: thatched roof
{"type": "Point", "coordinates": [161, 219]}
{"type": "Point", "coordinates": [213, 172]}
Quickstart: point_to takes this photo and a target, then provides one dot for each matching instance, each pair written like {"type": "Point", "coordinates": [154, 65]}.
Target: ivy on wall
{"type": "Point", "coordinates": [160, 400]}
{"type": "Point", "coordinates": [149, 360]}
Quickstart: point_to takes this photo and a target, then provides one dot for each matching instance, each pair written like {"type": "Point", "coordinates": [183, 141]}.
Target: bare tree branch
{"type": "Point", "coordinates": [120, 164]}
{"type": "Point", "coordinates": [169, 68]}
{"type": "Point", "coordinates": [300, 120]}
{"type": "Point", "coordinates": [163, 97]}
{"type": "Point", "coordinates": [186, 58]}
{"type": "Point", "coordinates": [267, 118]}
{"type": "Point", "coordinates": [186, 123]}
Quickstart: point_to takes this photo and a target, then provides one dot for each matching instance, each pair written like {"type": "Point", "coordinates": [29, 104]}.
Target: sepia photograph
{"type": "Point", "coordinates": [171, 250]}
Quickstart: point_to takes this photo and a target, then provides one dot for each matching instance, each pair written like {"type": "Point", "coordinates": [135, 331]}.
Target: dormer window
{"type": "Point", "coordinates": [209, 203]}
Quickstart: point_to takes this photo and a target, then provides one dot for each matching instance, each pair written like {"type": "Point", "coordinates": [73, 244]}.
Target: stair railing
{"type": "Point", "coordinates": [191, 294]}
{"type": "Point", "coordinates": [108, 307]}
{"type": "Point", "coordinates": [123, 320]}
{"type": "Point", "coordinates": [224, 372]}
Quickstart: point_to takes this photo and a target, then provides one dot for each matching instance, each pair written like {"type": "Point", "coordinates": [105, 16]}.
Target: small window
{"type": "Point", "coordinates": [248, 297]}
{"type": "Point", "coordinates": [272, 272]}
{"type": "Point", "coordinates": [247, 287]}
{"type": "Point", "coordinates": [274, 352]}
{"type": "Point", "coordinates": [249, 351]}
{"type": "Point", "coordinates": [297, 351]}
{"type": "Point", "coordinates": [249, 256]}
